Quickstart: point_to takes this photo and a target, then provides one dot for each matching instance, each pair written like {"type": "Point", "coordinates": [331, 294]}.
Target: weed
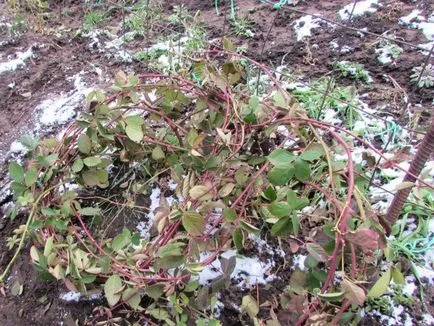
{"type": "Point", "coordinates": [243, 27]}
{"type": "Point", "coordinates": [387, 52]}
{"type": "Point", "coordinates": [411, 244]}
{"type": "Point", "coordinates": [353, 70]}
{"type": "Point", "coordinates": [427, 78]}
{"type": "Point", "coordinates": [312, 99]}
{"type": "Point", "coordinates": [180, 15]}
{"type": "Point", "coordinates": [93, 19]}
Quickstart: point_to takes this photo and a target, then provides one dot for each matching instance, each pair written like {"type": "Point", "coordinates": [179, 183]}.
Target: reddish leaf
{"type": "Point", "coordinates": [365, 238]}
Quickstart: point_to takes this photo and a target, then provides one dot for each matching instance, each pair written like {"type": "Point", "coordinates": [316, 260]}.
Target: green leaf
{"type": "Point", "coordinates": [92, 161]}
{"type": "Point", "coordinates": [332, 297]}
{"type": "Point", "coordinates": [397, 276]}
{"type": "Point", "coordinates": [78, 165]}
{"type": "Point", "coordinates": [47, 160]}
{"type": "Point", "coordinates": [158, 154]}
{"type": "Point", "coordinates": [193, 285]}
{"type": "Point", "coordinates": [249, 306]}
{"type": "Point", "coordinates": [249, 227]}
{"type": "Point", "coordinates": [200, 192]}
{"type": "Point", "coordinates": [132, 297]}
{"type": "Point", "coordinates": [95, 177]}
{"type": "Point", "coordinates": [159, 313]}
{"type": "Point", "coordinates": [226, 190]}
{"type": "Point", "coordinates": [238, 238]}
{"type": "Point", "coordinates": [84, 144]}
{"type": "Point", "coordinates": [279, 209]}
{"type": "Point", "coordinates": [353, 292]}
{"type": "Point", "coordinates": [112, 289]}
{"type": "Point", "coordinates": [310, 155]}
{"type": "Point", "coordinates": [282, 227]}
{"type": "Point", "coordinates": [122, 240]}
{"type": "Point", "coordinates": [302, 169]}
{"type": "Point", "coordinates": [29, 142]}
{"type": "Point", "coordinates": [172, 261]}
{"type": "Point", "coordinates": [16, 172]}
{"type": "Point", "coordinates": [279, 100]}
{"type": "Point", "coordinates": [155, 291]}
{"type": "Point", "coordinates": [280, 176]}
{"type": "Point", "coordinates": [31, 176]}
{"type": "Point", "coordinates": [317, 252]}
{"type": "Point", "coordinates": [171, 249]}
{"type": "Point", "coordinates": [18, 188]}
{"type": "Point", "coordinates": [269, 193]}
{"type": "Point", "coordinates": [193, 223]}
{"type": "Point", "coordinates": [89, 211]}
{"type": "Point", "coordinates": [229, 214]}
{"type": "Point", "coordinates": [281, 158]}
{"type": "Point", "coordinates": [134, 128]}
{"type": "Point", "coordinates": [295, 223]}
{"type": "Point", "coordinates": [295, 202]}
{"type": "Point", "coordinates": [49, 245]}
{"type": "Point", "coordinates": [380, 287]}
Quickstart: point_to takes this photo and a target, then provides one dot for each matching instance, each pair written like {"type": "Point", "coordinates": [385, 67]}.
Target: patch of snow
{"type": "Point", "coordinates": [17, 147]}
{"type": "Point", "coordinates": [72, 296]}
{"type": "Point", "coordinates": [347, 49]}
{"type": "Point", "coordinates": [172, 184]}
{"type": "Point", "coordinates": [406, 20]}
{"type": "Point", "coordinates": [361, 8]}
{"type": "Point", "coordinates": [409, 286]}
{"type": "Point", "coordinates": [283, 130]}
{"type": "Point", "coordinates": [298, 262]}
{"type": "Point", "coordinates": [304, 25]}
{"type": "Point", "coordinates": [144, 227]}
{"type": "Point", "coordinates": [20, 60]}
{"type": "Point", "coordinates": [60, 110]}
{"type": "Point", "coordinates": [416, 21]}
{"type": "Point", "coordinates": [248, 270]}
{"type": "Point", "coordinates": [427, 47]}
{"type": "Point", "coordinates": [330, 117]}
{"type": "Point", "coordinates": [395, 317]}
{"type": "Point", "coordinates": [428, 320]}
{"type": "Point", "coordinates": [334, 45]}
{"type": "Point", "coordinates": [264, 247]}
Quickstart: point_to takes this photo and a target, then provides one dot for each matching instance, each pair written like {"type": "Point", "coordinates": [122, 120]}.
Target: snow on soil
{"type": "Point", "coordinates": [60, 110]}
{"type": "Point", "coordinates": [72, 296]}
{"type": "Point", "coordinates": [361, 8]}
{"type": "Point", "coordinates": [304, 25]}
{"type": "Point", "coordinates": [19, 60]}
{"type": "Point", "coordinates": [248, 270]}
{"type": "Point", "coordinates": [416, 21]}
{"type": "Point", "coordinates": [144, 227]}
{"type": "Point", "coordinates": [55, 111]}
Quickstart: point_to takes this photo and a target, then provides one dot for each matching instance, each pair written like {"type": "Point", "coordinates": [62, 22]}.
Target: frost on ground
{"type": "Point", "coordinates": [304, 25]}
{"type": "Point", "coordinates": [248, 270]}
{"type": "Point", "coordinates": [72, 296]}
{"type": "Point", "coordinates": [19, 60]}
{"type": "Point", "coordinates": [55, 111]}
{"type": "Point", "coordinates": [416, 21]}
{"type": "Point", "coordinates": [144, 227]}
{"type": "Point", "coordinates": [361, 8]}
{"type": "Point", "coordinates": [59, 110]}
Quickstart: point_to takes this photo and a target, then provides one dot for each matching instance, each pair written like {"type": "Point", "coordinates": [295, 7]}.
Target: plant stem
{"type": "Point", "coordinates": [23, 236]}
{"type": "Point", "coordinates": [423, 153]}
